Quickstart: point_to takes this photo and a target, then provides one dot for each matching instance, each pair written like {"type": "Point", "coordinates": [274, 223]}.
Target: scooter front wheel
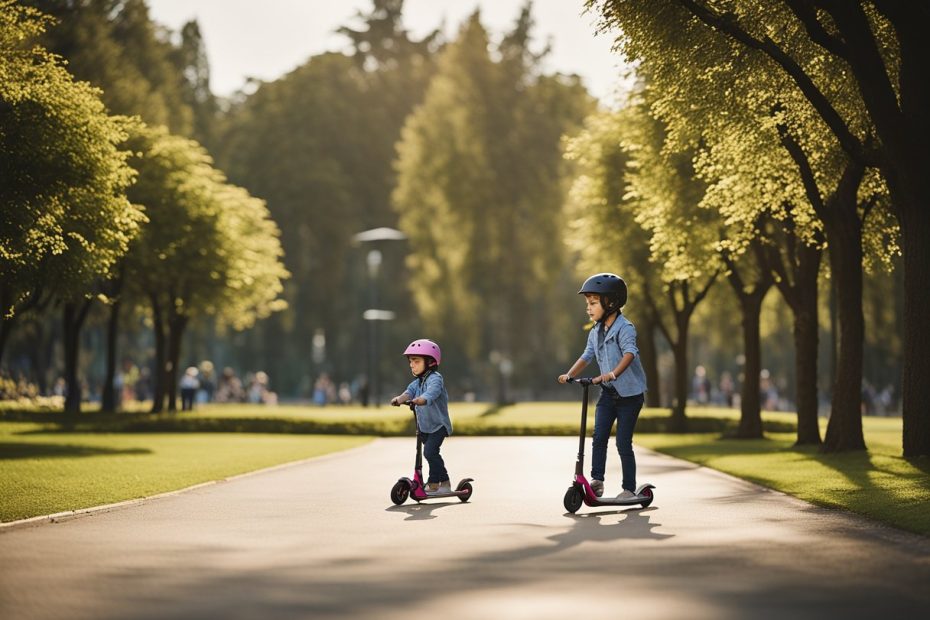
{"type": "Point", "coordinates": [400, 492]}
{"type": "Point", "coordinates": [467, 488]}
{"type": "Point", "coordinates": [573, 499]}
{"type": "Point", "coordinates": [647, 493]}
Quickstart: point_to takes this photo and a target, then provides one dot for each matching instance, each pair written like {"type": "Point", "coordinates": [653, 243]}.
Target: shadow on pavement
{"type": "Point", "coordinates": [420, 512]}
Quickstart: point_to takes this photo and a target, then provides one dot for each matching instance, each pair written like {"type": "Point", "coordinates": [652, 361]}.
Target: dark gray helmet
{"type": "Point", "coordinates": [610, 287]}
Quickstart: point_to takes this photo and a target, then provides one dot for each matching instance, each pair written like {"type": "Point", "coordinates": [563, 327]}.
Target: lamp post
{"type": "Point", "coordinates": [373, 315]}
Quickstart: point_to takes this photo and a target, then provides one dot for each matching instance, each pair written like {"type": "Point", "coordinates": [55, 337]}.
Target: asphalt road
{"type": "Point", "coordinates": [321, 540]}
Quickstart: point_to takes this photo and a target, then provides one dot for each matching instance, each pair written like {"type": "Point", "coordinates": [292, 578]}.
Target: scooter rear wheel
{"type": "Point", "coordinates": [647, 493]}
{"type": "Point", "coordinates": [399, 492]}
{"type": "Point", "coordinates": [464, 497]}
{"type": "Point", "coordinates": [573, 499]}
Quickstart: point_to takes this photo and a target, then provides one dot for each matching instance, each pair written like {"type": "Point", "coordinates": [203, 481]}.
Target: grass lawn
{"type": "Point", "coordinates": [47, 472]}
{"type": "Point", "coordinates": [879, 484]}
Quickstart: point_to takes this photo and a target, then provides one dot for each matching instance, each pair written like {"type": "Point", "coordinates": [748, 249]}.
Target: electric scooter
{"type": "Point", "coordinates": [581, 491]}
{"type": "Point", "coordinates": [414, 488]}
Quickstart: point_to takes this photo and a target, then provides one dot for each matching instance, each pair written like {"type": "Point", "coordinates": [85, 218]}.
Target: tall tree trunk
{"type": "Point", "coordinates": [176, 325]}
{"type": "Point", "coordinates": [158, 374]}
{"type": "Point", "coordinates": [916, 363]}
{"type": "Point", "coordinates": [74, 315]}
{"type": "Point", "coordinates": [750, 419]}
{"type": "Point", "coordinates": [109, 400]}
{"type": "Point", "coordinates": [682, 302]}
{"type": "Point", "coordinates": [750, 301]}
{"type": "Point", "coordinates": [679, 420]}
{"type": "Point", "coordinates": [844, 234]}
{"type": "Point", "coordinates": [6, 328]}
{"type": "Point", "coordinates": [649, 357]}
{"type": "Point", "coordinates": [806, 330]}
{"type": "Point", "coordinates": [899, 114]}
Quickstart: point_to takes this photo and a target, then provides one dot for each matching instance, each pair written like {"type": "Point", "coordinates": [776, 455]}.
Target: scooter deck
{"type": "Point", "coordinates": [636, 500]}
{"type": "Point", "coordinates": [438, 495]}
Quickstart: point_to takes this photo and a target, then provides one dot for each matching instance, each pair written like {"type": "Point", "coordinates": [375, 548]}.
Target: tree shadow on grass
{"type": "Point", "coordinates": [10, 451]}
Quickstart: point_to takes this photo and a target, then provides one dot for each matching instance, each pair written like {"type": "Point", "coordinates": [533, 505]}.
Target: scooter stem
{"type": "Point", "coordinates": [579, 464]}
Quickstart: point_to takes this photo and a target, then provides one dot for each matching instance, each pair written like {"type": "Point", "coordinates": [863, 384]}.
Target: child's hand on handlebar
{"type": "Point", "coordinates": [564, 378]}
{"type": "Point", "coordinates": [419, 401]}
{"type": "Point", "coordinates": [396, 401]}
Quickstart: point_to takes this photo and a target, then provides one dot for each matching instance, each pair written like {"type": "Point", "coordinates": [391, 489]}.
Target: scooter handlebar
{"type": "Point", "coordinates": [581, 380]}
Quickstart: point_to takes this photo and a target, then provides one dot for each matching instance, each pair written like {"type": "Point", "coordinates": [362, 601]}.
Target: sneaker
{"type": "Point", "coordinates": [431, 487]}
{"type": "Point", "coordinates": [598, 487]}
{"type": "Point", "coordinates": [626, 494]}
{"type": "Point", "coordinates": [445, 487]}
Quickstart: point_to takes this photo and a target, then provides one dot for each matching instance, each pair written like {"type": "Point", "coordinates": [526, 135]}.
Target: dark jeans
{"type": "Point", "coordinates": [431, 443]}
{"type": "Point", "coordinates": [625, 410]}
{"type": "Point", "coordinates": [187, 399]}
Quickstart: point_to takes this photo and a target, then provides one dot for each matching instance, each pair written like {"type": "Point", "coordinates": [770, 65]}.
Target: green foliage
{"type": "Point", "coordinates": [318, 146]}
{"type": "Point", "coordinates": [209, 247]}
{"type": "Point", "coordinates": [64, 220]}
{"type": "Point", "coordinates": [480, 193]}
{"type": "Point", "coordinates": [114, 45]}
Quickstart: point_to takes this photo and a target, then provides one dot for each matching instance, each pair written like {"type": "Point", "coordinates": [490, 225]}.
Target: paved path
{"type": "Point", "coordinates": [322, 540]}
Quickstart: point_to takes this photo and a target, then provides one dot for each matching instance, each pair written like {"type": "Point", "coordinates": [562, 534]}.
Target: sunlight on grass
{"type": "Point", "coordinates": [879, 484]}
{"type": "Point", "coordinates": [44, 473]}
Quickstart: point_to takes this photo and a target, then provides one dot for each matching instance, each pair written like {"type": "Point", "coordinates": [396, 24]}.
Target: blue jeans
{"type": "Point", "coordinates": [431, 443]}
{"type": "Point", "coordinates": [625, 410]}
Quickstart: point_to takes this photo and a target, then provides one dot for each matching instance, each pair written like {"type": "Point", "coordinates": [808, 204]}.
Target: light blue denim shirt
{"type": "Point", "coordinates": [619, 340]}
{"type": "Point", "coordinates": [435, 413]}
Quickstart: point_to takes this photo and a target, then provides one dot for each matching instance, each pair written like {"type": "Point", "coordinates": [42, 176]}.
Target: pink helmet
{"type": "Point", "coordinates": [426, 348]}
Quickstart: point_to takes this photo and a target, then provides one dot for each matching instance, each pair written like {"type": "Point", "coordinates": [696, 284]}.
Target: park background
{"type": "Point", "coordinates": [288, 239]}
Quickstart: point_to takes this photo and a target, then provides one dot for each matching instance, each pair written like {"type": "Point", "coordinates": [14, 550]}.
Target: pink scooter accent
{"type": "Point", "coordinates": [581, 491]}
{"type": "Point", "coordinates": [414, 488]}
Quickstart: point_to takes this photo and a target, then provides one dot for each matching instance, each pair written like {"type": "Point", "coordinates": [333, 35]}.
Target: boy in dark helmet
{"type": "Point", "coordinates": [612, 341]}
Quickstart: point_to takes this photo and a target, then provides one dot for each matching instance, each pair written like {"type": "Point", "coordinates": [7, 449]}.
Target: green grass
{"type": "Point", "coordinates": [43, 472]}
{"type": "Point", "coordinates": [879, 484]}
{"type": "Point", "coordinates": [468, 419]}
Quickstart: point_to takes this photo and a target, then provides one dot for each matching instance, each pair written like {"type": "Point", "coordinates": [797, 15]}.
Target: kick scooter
{"type": "Point", "coordinates": [581, 491]}
{"type": "Point", "coordinates": [414, 488]}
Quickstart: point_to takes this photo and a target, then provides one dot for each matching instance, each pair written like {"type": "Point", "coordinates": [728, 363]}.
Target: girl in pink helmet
{"type": "Point", "coordinates": [428, 392]}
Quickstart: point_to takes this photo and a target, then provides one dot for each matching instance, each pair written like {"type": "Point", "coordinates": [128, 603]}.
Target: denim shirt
{"type": "Point", "coordinates": [619, 340]}
{"type": "Point", "coordinates": [435, 413]}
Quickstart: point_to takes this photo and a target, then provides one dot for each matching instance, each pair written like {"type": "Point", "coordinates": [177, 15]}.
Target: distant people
{"type": "Point", "coordinates": [189, 386]}
{"type": "Point", "coordinates": [143, 387]}
{"type": "Point", "coordinates": [207, 382]}
{"type": "Point", "coordinates": [768, 391]}
{"type": "Point", "coordinates": [229, 388]}
{"type": "Point", "coordinates": [727, 387]}
{"type": "Point", "coordinates": [324, 390]}
{"type": "Point", "coordinates": [363, 391]}
{"type": "Point", "coordinates": [345, 393]}
{"type": "Point", "coordinates": [700, 386]}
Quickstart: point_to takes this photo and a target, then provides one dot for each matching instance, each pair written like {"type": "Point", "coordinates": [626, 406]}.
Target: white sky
{"type": "Point", "coordinates": [266, 39]}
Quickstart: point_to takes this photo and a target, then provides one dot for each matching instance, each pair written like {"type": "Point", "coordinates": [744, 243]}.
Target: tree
{"type": "Point", "coordinates": [752, 78]}
{"type": "Point", "coordinates": [480, 195]}
{"type": "Point", "coordinates": [598, 196]}
{"type": "Point", "coordinates": [332, 125]}
{"type": "Point", "coordinates": [209, 249]}
{"type": "Point", "coordinates": [114, 45]}
{"type": "Point", "coordinates": [65, 221]}
{"type": "Point", "coordinates": [666, 194]}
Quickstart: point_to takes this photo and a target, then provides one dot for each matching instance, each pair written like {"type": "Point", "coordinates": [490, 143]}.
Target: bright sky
{"type": "Point", "coordinates": [265, 40]}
